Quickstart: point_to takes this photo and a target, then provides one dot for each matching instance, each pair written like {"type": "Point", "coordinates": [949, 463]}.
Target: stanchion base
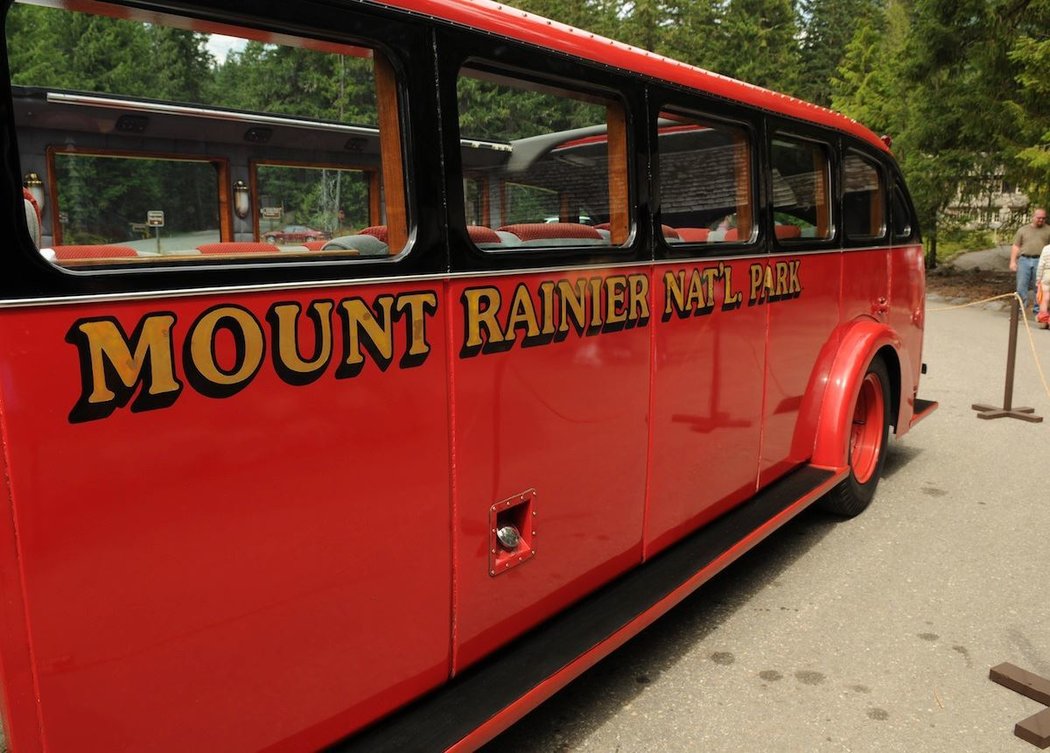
{"type": "Point", "coordinates": [1036, 728]}
{"type": "Point", "coordinates": [991, 411]}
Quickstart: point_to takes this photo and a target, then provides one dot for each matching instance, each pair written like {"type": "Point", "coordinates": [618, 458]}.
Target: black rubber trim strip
{"type": "Point", "coordinates": [445, 716]}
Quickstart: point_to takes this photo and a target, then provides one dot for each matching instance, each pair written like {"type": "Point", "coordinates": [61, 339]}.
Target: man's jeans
{"type": "Point", "coordinates": [1026, 266]}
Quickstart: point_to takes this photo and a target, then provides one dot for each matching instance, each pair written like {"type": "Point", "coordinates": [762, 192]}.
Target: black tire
{"type": "Point", "coordinates": [867, 450]}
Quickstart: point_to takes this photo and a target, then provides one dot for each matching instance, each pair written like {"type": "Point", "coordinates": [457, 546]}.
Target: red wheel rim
{"type": "Point", "coordinates": [865, 439]}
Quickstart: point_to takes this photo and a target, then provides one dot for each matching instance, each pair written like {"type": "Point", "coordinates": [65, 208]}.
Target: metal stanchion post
{"type": "Point", "coordinates": [1008, 411]}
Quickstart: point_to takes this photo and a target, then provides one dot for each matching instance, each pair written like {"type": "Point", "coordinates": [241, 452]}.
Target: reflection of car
{"type": "Point", "coordinates": [294, 234]}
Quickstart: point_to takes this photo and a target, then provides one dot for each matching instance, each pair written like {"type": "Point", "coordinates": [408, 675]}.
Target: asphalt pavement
{"type": "Point", "coordinates": [873, 635]}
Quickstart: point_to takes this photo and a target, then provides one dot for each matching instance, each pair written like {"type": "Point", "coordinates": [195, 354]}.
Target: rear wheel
{"type": "Point", "coordinates": [868, 437]}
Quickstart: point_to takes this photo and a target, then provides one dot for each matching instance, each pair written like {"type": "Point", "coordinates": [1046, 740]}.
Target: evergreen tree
{"type": "Point", "coordinates": [759, 44]}
{"type": "Point", "coordinates": [1029, 105]}
{"type": "Point", "coordinates": [829, 27]}
{"type": "Point", "coordinates": [869, 85]}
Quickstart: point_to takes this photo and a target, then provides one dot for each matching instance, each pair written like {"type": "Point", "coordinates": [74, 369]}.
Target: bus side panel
{"type": "Point", "coordinates": [229, 571]}
{"type": "Point", "coordinates": [560, 413]}
{"type": "Point", "coordinates": [799, 327]}
{"type": "Point", "coordinates": [865, 284]}
{"type": "Point", "coordinates": [707, 411]}
{"type": "Point", "coordinates": [908, 318]}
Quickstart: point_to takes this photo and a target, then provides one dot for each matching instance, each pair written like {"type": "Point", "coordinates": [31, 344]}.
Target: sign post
{"type": "Point", "coordinates": [155, 218]}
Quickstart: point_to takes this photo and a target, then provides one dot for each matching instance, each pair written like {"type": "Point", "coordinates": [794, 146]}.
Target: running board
{"type": "Point", "coordinates": [923, 408]}
{"type": "Point", "coordinates": [491, 695]}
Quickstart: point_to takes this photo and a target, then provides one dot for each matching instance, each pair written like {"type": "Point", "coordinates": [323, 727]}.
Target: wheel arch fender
{"type": "Point", "coordinates": [862, 341]}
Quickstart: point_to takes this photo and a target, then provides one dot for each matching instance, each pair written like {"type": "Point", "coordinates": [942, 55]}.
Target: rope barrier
{"type": "Point", "coordinates": [1024, 317]}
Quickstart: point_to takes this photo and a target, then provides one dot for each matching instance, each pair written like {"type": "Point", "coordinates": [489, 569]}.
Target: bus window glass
{"type": "Point", "coordinates": [801, 187]}
{"type": "Point", "coordinates": [225, 143]}
{"type": "Point", "coordinates": [902, 227]}
{"type": "Point", "coordinates": [705, 181]}
{"type": "Point", "coordinates": [106, 200]}
{"type": "Point", "coordinates": [863, 202]}
{"type": "Point", "coordinates": [297, 205]}
{"type": "Point", "coordinates": [543, 166]}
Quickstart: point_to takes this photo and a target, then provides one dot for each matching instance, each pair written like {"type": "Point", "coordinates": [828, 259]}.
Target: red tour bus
{"type": "Point", "coordinates": [372, 369]}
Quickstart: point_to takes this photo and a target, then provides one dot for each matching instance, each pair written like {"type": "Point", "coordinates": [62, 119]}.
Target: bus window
{"type": "Point", "coordinates": [705, 181]}
{"type": "Point", "coordinates": [544, 166]}
{"type": "Point", "coordinates": [902, 224]}
{"type": "Point", "coordinates": [863, 201]}
{"type": "Point", "coordinates": [801, 188]}
{"type": "Point", "coordinates": [182, 142]}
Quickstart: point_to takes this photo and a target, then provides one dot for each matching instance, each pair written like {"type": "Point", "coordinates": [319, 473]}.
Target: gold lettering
{"type": "Point", "coordinates": [206, 375]}
{"type": "Point", "coordinates": [596, 301]}
{"type": "Point", "coordinates": [105, 352]}
{"type": "Point", "coordinates": [696, 299]}
{"type": "Point", "coordinates": [638, 299]}
{"type": "Point", "coordinates": [418, 305]}
{"type": "Point", "coordinates": [615, 298]}
{"type": "Point", "coordinates": [674, 291]}
{"type": "Point", "coordinates": [358, 318]}
{"type": "Point", "coordinates": [481, 305]}
{"type": "Point", "coordinates": [284, 320]}
{"type": "Point", "coordinates": [573, 305]}
{"type": "Point", "coordinates": [547, 296]}
{"type": "Point", "coordinates": [522, 312]}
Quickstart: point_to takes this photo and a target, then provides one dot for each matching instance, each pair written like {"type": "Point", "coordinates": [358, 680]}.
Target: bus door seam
{"type": "Point", "coordinates": [651, 428]}
{"type": "Point", "coordinates": [453, 486]}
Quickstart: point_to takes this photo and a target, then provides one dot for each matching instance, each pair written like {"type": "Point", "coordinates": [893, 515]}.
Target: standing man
{"type": "Point", "coordinates": [1024, 254]}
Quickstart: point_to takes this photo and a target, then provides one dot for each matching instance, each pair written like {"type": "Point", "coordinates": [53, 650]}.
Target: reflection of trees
{"type": "Point", "coordinates": [67, 50]}
{"type": "Point", "coordinates": [102, 196]}
{"type": "Point", "coordinates": [314, 196]}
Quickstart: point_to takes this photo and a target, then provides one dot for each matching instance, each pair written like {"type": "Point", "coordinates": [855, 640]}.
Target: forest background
{"type": "Point", "coordinates": [961, 86]}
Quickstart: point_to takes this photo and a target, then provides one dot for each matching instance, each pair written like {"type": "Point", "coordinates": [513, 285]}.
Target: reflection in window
{"type": "Point", "coordinates": [110, 200]}
{"type": "Point", "coordinates": [902, 227]}
{"type": "Point", "coordinates": [545, 166]}
{"type": "Point", "coordinates": [801, 187]}
{"type": "Point", "coordinates": [705, 181]}
{"type": "Point", "coordinates": [280, 149]}
{"type": "Point", "coordinates": [863, 203]}
{"type": "Point", "coordinates": [297, 205]}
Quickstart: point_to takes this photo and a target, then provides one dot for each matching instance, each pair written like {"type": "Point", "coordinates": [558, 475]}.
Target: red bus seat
{"type": "Point", "coordinates": [315, 245]}
{"type": "Point", "coordinates": [555, 234]}
{"type": "Point", "coordinates": [787, 231]}
{"type": "Point", "coordinates": [693, 234]}
{"type": "Point", "coordinates": [237, 247]}
{"type": "Point", "coordinates": [482, 234]}
{"type": "Point", "coordinates": [33, 219]}
{"type": "Point", "coordinates": [101, 251]}
{"type": "Point", "coordinates": [376, 231]}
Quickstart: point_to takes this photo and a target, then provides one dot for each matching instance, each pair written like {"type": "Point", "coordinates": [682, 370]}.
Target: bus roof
{"type": "Point", "coordinates": [528, 27]}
